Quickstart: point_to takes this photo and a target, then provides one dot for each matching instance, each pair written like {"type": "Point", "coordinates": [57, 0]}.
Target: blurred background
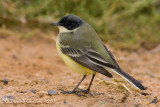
{"type": "Point", "coordinates": [126, 24]}
{"type": "Point", "coordinates": [30, 66]}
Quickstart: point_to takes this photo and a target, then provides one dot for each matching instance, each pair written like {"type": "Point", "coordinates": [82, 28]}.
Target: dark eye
{"type": "Point", "coordinates": [67, 24]}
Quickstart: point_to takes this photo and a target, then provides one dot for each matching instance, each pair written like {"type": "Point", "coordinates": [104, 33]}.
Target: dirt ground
{"type": "Point", "coordinates": [34, 64]}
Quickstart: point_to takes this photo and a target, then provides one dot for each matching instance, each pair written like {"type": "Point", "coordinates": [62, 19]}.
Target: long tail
{"type": "Point", "coordinates": [123, 74]}
{"type": "Point", "coordinates": [129, 78]}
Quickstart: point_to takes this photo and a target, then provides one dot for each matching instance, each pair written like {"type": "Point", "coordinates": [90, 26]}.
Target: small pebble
{"type": "Point", "coordinates": [5, 81]}
{"type": "Point", "coordinates": [123, 99]}
{"type": "Point", "coordinates": [64, 101]}
{"type": "Point", "coordinates": [95, 93]}
{"type": "Point", "coordinates": [33, 91]}
{"type": "Point", "coordinates": [51, 92]}
{"type": "Point", "coordinates": [145, 94]}
{"type": "Point", "coordinates": [14, 57]}
{"type": "Point", "coordinates": [8, 98]}
{"type": "Point", "coordinates": [155, 100]}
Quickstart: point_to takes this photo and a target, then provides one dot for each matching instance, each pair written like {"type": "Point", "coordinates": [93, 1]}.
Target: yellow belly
{"type": "Point", "coordinates": [74, 65]}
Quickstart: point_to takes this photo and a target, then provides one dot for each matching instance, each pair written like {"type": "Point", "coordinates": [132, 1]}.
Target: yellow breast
{"type": "Point", "coordinates": [72, 64]}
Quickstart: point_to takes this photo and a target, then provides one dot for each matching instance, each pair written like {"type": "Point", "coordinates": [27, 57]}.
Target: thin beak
{"type": "Point", "coordinates": [56, 24]}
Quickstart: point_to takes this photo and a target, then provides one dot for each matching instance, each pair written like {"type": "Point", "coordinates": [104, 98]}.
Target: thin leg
{"type": "Point", "coordinates": [79, 82]}
{"type": "Point", "coordinates": [74, 90]}
{"type": "Point", "coordinates": [87, 90]}
{"type": "Point", "coordinates": [91, 82]}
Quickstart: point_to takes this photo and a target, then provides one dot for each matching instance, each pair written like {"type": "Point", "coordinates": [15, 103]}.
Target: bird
{"type": "Point", "coordinates": [83, 51]}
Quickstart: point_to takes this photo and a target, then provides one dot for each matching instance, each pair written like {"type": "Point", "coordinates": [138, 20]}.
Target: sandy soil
{"type": "Point", "coordinates": [34, 64]}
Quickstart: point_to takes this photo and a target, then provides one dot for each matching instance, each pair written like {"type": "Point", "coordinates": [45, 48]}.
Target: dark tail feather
{"type": "Point", "coordinates": [130, 79]}
{"type": "Point", "coordinates": [123, 74]}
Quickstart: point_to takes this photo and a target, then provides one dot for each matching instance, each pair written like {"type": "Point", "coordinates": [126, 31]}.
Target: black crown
{"type": "Point", "coordinates": [70, 22]}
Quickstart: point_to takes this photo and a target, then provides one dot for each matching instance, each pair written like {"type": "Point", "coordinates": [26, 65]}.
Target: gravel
{"type": "Point", "coordinates": [5, 98]}
{"type": "Point", "coordinates": [5, 81]}
{"type": "Point", "coordinates": [33, 91]}
{"type": "Point", "coordinates": [52, 92]}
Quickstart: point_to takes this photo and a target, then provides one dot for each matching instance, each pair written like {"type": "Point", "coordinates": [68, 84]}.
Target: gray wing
{"type": "Point", "coordinates": [89, 58]}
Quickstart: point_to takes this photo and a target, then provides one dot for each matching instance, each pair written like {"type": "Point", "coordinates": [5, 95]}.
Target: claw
{"type": "Point", "coordinates": [70, 92]}
{"type": "Point", "coordinates": [84, 91]}
{"type": "Point", "coordinates": [67, 92]}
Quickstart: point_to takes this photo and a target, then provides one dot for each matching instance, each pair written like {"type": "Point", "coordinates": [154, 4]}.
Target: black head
{"type": "Point", "coordinates": [70, 22]}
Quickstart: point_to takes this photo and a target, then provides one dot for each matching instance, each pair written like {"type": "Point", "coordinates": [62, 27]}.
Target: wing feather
{"type": "Point", "coordinates": [88, 58]}
{"type": "Point", "coordinates": [91, 59]}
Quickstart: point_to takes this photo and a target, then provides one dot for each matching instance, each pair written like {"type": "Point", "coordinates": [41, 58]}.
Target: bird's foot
{"type": "Point", "coordinates": [84, 91]}
{"type": "Point", "coordinates": [72, 92]}
{"type": "Point", "coordinates": [87, 92]}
